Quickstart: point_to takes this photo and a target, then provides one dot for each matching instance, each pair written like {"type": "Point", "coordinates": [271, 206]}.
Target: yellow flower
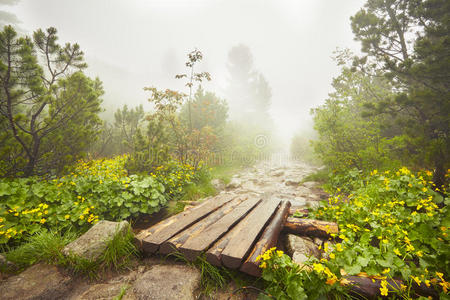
{"type": "Point", "coordinates": [419, 253]}
{"type": "Point", "coordinates": [397, 252]}
{"type": "Point", "coordinates": [66, 217]}
{"type": "Point", "coordinates": [263, 265]}
{"type": "Point", "coordinates": [42, 221]}
{"type": "Point", "coordinates": [318, 268]}
{"type": "Point", "coordinates": [339, 247]}
{"type": "Point", "coordinates": [280, 253]}
{"type": "Point", "coordinates": [384, 290]}
{"type": "Point", "coordinates": [387, 270]}
{"type": "Point", "coordinates": [416, 279]}
{"type": "Point", "coordinates": [332, 256]}
{"type": "Point", "coordinates": [81, 217]}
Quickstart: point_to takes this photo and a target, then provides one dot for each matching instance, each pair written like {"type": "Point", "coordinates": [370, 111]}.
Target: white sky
{"type": "Point", "coordinates": [135, 43]}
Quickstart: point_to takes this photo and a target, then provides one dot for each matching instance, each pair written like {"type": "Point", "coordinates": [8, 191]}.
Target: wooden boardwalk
{"type": "Point", "coordinates": [232, 230]}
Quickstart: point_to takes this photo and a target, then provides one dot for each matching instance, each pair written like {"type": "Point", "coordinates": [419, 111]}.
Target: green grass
{"type": "Point", "coordinates": [320, 176]}
{"type": "Point", "coordinates": [225, 172]}
{"type": "Point", "coordinates": [47, 246]}
{"type": "Point", "coordinates": [44, 246]}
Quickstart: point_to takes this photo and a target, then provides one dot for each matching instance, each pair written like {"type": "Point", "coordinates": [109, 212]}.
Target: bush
{"type": "Point", "coordinates": [94, 190]}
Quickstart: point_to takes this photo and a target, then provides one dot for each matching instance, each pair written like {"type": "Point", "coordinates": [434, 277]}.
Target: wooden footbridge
{"type": "Point", "coordinates": [231, 229]}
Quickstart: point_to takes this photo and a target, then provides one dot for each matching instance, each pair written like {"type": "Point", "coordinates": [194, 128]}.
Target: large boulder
{"type": "Point", "coordinates": [94, 242]}
{"type": "Point", "coordinates": [40, 281]}
{"type": "Point", "coordinates": [166, 282]}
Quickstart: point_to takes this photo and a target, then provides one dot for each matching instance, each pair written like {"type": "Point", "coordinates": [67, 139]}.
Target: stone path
{"type": "Point", "coordinates": [154, 278]}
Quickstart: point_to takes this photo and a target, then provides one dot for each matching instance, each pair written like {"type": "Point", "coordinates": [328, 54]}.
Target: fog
{"type": "Point", "coordinates": [137, 43]}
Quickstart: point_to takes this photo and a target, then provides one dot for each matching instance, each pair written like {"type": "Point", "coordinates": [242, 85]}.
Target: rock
{"type": "Point", "coordinates": [310, 184]}
{"type": "Point", "coordinates": [318, 241]}
{"type": "Point", "coordinates": [94, 242]}
{"type": "Point", "coordinates": [167, 282]}
{"type": "Point", "coordinates": [302, 245]}
{"type": "Point", "coordinates": [299, 258]}
{"type": "Point", "coordinates": [303, 191]}
{"type": "Point", "coordinates": [291, 182]}
{"type": "Point", "coordinates": [218, 184]}
{"type": "Point", "coordinates": [277, 173]}
{"type": "Point", "coordinates": [102, 291]}
{"type": "Point", "coordinates": [234, 183]}
{"type": "Point", "coordinates": [40, 281]}
{"type": "Point", "coordinates": [298, 201]}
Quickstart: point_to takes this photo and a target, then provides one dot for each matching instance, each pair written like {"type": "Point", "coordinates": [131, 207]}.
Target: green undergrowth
{"type": "Point", "coordinates": [47, 246]}
{"type": "Point", "coordinates": [320, 176]}
{"type": "Point", "coordinates": [225, 172]}
{"type": "Point", "coordinates": [392, 225]}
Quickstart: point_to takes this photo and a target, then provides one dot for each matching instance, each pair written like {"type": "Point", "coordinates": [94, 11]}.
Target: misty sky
{"type": "Point", "coordinates": [135, 43]}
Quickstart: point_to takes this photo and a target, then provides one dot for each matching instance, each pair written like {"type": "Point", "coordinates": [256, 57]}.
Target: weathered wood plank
{"type": "Point", "coordinates": [178, 240]}
{"type": "Point", "coordinates": [310, 227]}
{"type": "Point", "coordinates": [267, 240]}
{"type": "Point", "coordinates": [199, 243]}
{"type": "Point", "coordinates": [149, 240]}
{"type": "Point", "coordinates": [243, 239]}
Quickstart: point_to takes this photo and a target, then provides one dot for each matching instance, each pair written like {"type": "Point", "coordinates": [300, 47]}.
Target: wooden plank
{"type": "Point", "coordinates": [149, 240]}
{"type": "Point", "coordinates": [243, 239]}
{"type": "Point", "coordinates": [195, 245]}
{"type": "Point", "coordinates": [267, 240]}
{"type": "Point", "coordinates": [309, 227]}
{"type": "Point", "coordinates": [178, 240]}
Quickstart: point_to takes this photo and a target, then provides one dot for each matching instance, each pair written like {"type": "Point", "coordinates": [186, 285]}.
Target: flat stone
{"type": "Point", "coordinates": [94, 242]}
{"type": "Point", "coordinates": [102, 291]}
{"type": "Point", "coordinates": [303, 245]}
{"type": "Point", "coordinates": [166, 282]}
{"type": "Point", "coordinates": [291, 182]}
{"type": "Point", "coordinates": [40, 281]}
{"type": "Point", "coordinates": [234, 183]}
{"type": "Point", "coordinates": [298, 201]}
{"type": "Point", "coordinates": [218, 184]}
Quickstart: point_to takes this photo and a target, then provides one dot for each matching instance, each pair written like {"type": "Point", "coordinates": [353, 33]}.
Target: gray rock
{"type": "Point", "coordinates": [291, 182]}
{"type": "Point", "coordinates": [299, 258]}
{"type": "Point", "coordinates": [302, 245]}
{"type": "Point", "coordinates": [166, 282]}
{"type": "Point", "coordinates": [102, 291]}
{"type": "Point", "coordinates": [318, 241]}
{"type": "Point", "coordinates": [298, 201]}
{"type": "Point", "coordinates": [93, 243]}
{"type": "Point", "coordinates": [218, 184]}
{"type": "Point", "coordinates": [312, 204]}
{"type": "Point", "coordinates": [234, 183]}
{"type": "Point", "coordinates": [40, 281]}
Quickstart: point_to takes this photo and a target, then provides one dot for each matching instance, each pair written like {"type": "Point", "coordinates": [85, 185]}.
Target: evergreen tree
{"type": "Point", "coordinates": [49, 113]}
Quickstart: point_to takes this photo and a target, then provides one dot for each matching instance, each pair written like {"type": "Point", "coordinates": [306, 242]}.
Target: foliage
{"type": "Point", "coordinates": [391, 225]}
{"type": "Point", "coordinates": [193, 58]}
{"type": "Point", "coordinates": [348, 139]}
{"type": "Point", "coordinates": [94, 190]}
{"type": "Point", "coordinates": [49, 111]}
{"type": "Point", "coordinates": [126, 123]}
{"type": "Point", "coordinates": [47, 246]}
{"type": "Point", "coordinates": [408, 42]}
{"type": "Point", "coordinates": [43, 246]}
{"type": "Point", "coordinates": [287, 280]}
